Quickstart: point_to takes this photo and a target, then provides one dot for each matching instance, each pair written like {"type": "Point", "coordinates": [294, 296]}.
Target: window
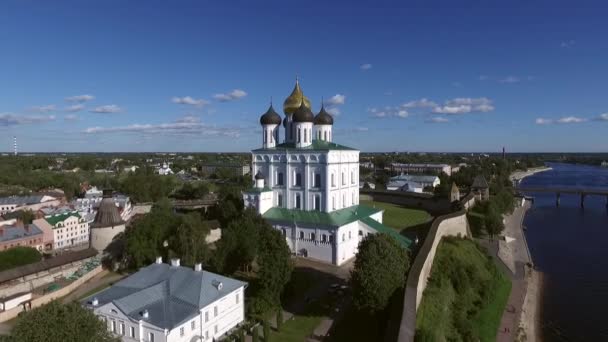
{"type": "Point", "coordinates": [317, 180]}
{"type": "Point", "coordinates": [325, 136]}
{"type": "Point", "coordinates": [181, 331]}
{"type": "Point", "coordinates": [298, 179]}
{"type": "Point", "coordinates": [305, 135]}
{"type": "Point", "coordinates": [343, 237]}
{"type": "Point", "coordinates": [215, 311]}
{"type": "Point", "coordinates": [333, 202]}
{"type": "Point", "coordinates": [302, 235]}
{"type": "Point", "coordinates": [122, 329]}
{"type": "Point", "coordinates": [331, 238]}
{"type": "Point", "coordinates": [343, 201]}
{"type": "Point", "coordinates": [132, 331]}
{"type": "Point", "coordinates": [323, 238]}
{"type": "Point", "coordinates": [349, 235]}
{"type": "Point", "coordinates": [360, 233]}
{"type": "Point", "coordinates": [215, 329]}
{"type": "Point", "coordinates": [193, 325]}
{"type": "Point", "coordinates": [206, 316]}
{"type": "Point", "coordinates": [299, 135]}
{"type": "Point", "coordinates": [298, 201]}
{"type": "Point", "coordinates": [151, 337]}
{"type": "Point", "coordinates": [265, 138]}
{"type": "Point", "coordinates": [280, 200]}
{"type": "Point", "coordinates": [284, 231]}
{"type": "Point", "coordinates": [312, 236]}
{"type": "Point", "coordinates": [352, 177]}
{"type": "Point", "coordinates": [318, 203]}
{"type": "Point", "coordinates": [343, 179]}
{"type": "Point", "coordinates": [280, 178]}
{"type": "Point", "coordinates": [113, 326]}
{"type": "Point", "coordinates": [207, 334]}
{"type": "Point", "coordinates": [333, 180]}
{"type": "Point", "coordinates": [237, 298]}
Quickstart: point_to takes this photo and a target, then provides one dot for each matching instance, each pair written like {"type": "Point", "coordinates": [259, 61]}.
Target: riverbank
{"type": "Point", "coordinates": [529, 325]}
{"type": "Point", "coordinates": [520, 175]}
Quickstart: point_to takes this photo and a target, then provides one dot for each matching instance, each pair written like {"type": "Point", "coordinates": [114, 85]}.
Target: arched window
{"type": "Point", "coordinates": [343, 179]}
{"type": "Point", "coordinates": [323, 238]}
{"type": "Point", "coordinates": [284, 231]}
{"type": "Point", "coordinates": [333, 203]}
{"type": "Point", "coordinates": [349, 235]}
{"type": "Point", "coordinates": [312, 236]}
{"type": "Point", "coordinates": [265, 132]}
{"type": "Point", "coordinates": [298, 204]}
{"type": "Point", "coordinates": [302, 235]}
{"type": "Point", "coordinates": [325, 133]}
{"type": "Point", "coordinates": [343, 200]}
{"type": "Point", "coordinates": [343, 237]}
{"type": "Point", "coordinates": [333, 179]}
{"type": "Point", "coordinates": [299, 135]}
{"type": "Point", "coordinates": [280, 200]}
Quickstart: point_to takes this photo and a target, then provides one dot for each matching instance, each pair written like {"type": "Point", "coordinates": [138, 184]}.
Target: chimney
{"type": "Point", "coordinates": [175, 262]}
{"type": "Point", "coordinates": [95, 301]}
{"type": "Point", "coordinates": [198, 267]}
{"type": "Point", "coordinates": [145, 314]}
{"type": "Point", "coordinates": [217, 284]}
{"type": "Point", "coordinates": [159, 260]}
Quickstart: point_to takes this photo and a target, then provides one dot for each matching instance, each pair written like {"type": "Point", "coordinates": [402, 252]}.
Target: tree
{"type": "Point", "coordinates": [255, 334]}
{"type": "Point", "coordinates": [266, 326]}
{"type": "Point", "coordinates": [380, 269]}
{"type": "Point", "coordinates": [189, 240]}
{"type": "Point", "coordinates": [275, 265]}
{"type": "Point", "coordinates": [279, 318]}
{"type": "Point", "coordinates": [493, 223]}
{"type": "Point", "coordinates": [18, 256]}
{"type": "Point", "coordinates": [56, 322]}
{"type": "Point", "coordinates": [239, 244]}
{"type": "Point", "coordinates": [26, 216]}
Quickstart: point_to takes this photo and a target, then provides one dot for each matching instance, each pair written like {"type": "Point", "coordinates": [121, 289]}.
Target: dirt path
{"type": "Point", "coordinates": [101, 279]}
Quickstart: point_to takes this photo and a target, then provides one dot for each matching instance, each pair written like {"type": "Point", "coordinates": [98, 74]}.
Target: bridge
{"type": "Point", "coordinates": [202, 203]}
{"type": "Point", "coordinates": [558, 191]}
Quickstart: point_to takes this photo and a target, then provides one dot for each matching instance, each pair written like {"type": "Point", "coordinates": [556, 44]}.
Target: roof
{"type": "Point", "coordinates": [380, 228]}
{"type": "Point", "coordinates": [303, 114]}
{"type": "Point", "coordinates": [259, 175]}
{"type": "Point", "coordinates": [323, 118]}
{"type": "Point", "coordinates": [107, 214]}
{"type": "Point", "coordinates": [170, 294]}
{"type": "Point", "coordinates": [415, 178]}
{"type": "Point", "coordinates": [21, 200]}
{"type": "Point", "coordinates": [270, 117]}
{"type": "Point", "coordinates": [479, 183]}
{"type": "Point", "coordinates": [317, 145]}
{"type": "Point", "coordinates": [454, 188]}
{"type": "Point", "coordinates": [295, 99]}
{"type": "Point", "coordinates": [54, 219]}
{"type": "Point", "coordinates": [62, 259]}
{"type": "Point", "coordinates": [14, 232]}
{"type": "Point", "coordinates": [257, 190]}
{"type": "Point", "coordinates": [336, 218]}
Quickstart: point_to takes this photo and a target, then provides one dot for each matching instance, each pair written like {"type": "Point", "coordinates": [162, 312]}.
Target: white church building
{"type": "Point", "coordinates": [307, 186]}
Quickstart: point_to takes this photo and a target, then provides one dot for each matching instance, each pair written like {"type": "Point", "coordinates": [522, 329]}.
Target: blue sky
{"type": "Point", "coordinates": [196, 75]}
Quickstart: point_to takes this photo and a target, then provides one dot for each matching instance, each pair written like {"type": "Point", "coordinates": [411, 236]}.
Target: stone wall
{"type": "Point", "coordinates": [447, 225]}
{"type": "Point", "coordinates": [39, 301]}
{"type": "Point", "coordinates": [435, 206]}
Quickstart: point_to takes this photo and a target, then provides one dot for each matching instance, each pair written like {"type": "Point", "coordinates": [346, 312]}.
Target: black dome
{"type": "Point", "coordinates": [303, 114]}
{"type": "Point", "coordinates": [270, 117]}
{"type": "Point", "coordinates": [107, 213]}
{"type": "Point", "coordinates": [259, 175]}
{"type": "Point", "coordinates": [323, 118]}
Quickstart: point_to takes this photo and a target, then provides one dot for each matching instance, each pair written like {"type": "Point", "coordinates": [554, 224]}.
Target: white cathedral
{"type": "Point", "coordinates": [308, 186]}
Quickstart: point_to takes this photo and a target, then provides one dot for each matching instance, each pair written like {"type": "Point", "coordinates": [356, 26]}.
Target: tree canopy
{"type": "Point", "coordinates": [56, 322]}
{"type": "Point", "coordinates": [18, 256]}
{"type": "Point", "coordinates": [380, 269]}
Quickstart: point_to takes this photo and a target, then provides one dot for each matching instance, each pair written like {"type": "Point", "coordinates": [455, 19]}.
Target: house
{"type": "Point", "coordinates": [308, 186]}
{"type": "Point", "coordinates": [33, 203]}
{"type": "Point", "coordinates": [69, 229]}
{"type": "Point", "coordinates": [454, 193]}
{"type": "Point", "coordinates": [170, 303]}
{"type": "Point", "coordinates": [480, 188]}
{"type": "Point", "coordinates": [164, 170]}
{"type": "Point", "coordinates": [422, 168]}
{"type": "Point", "coordinates": [411, 187]}
{"type": "Point", "coordinates": [397, 182]}
{"type": "Point", "coordinates": [88, 205]}
{"type": "Point", "coordinates": [14, 233]}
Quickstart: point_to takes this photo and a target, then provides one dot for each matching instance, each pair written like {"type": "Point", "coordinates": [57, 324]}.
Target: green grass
{"type": "Point", "coordinates": [296, 329]}
{"type": "Point", "coordinates": [18, 256]}
{"type": "Point", "coordinates": [398, 217]}
{"type": "Point", "coordinates": [465, 297]}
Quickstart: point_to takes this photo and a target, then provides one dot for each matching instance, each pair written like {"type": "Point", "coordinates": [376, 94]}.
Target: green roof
{"type": "Point", "coordinates": [53, 220]}
{"type": "Point", "coordinates": [380, 228]}
{"type": "Point", "coordinates": [258, 190]}
{"type": "Point", "coordinates": [317, 145]}
{"type": "Point", "coordinates": [335, 218]}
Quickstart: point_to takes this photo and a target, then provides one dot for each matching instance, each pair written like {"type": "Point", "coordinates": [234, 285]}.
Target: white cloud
{"type": "Point", "coordinates": [571, 119]}
{"type": "Point", "coordinates": [71, 117]}
{"type": "Point", "coordinates": [9, 119]}
{"type": "Point", "coordinates": [421, 103]}
{"type": "Point", "coordinates": [603, 117]}
{"type": "Point", "coordinates": [543, 121]}
{"type": "Point", "coordinates": [337, 99]}
{"type": "Point", "coordinates": [106, 109]}
{"type": "Point", "coordinates": [335, 111]}
{"type": "Point", "coordinates": [567, 43]}
{"type": "Point", "coordinates": [187, 100]}
{"type": "Point", "coordinates": [80, 98]}
{"type": "Point", "coordinates": [236, 94]}
{"type": "Point", "coordinates": [44, 109]}
{"type": "Point", "coordinates": [510, 79]}
{"type": "Point", "coordinates": [465, 105]}
{"type": "Point", "coordinates": [188, 125]}
{"type": "Point", "coordinates": [483, 77]}
{"type": "Point", "coordinates": [389, 111]}
{"type": "Point", "coordinates": [365, 66]}
{"type": "Point", "coordinates": [74, 108]}
{"type": "Point", "coordinates": [438, 119]}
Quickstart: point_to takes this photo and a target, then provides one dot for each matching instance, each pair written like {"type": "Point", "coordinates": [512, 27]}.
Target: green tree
{"type": "Point", "coordinates": [380, 269]}
{"type": "Point", "coordinates": [26, 216]}
{"type": "Point", "coordinates": [275, 265]}
{"type": "Point", "coordinates": [239, 244]}
{"type": "Point", "coordinates": [279, 318]}
{"type": "Point", "coordinates": [493, 223]}
{"type": "Point", "coordinates": [189, 239]}
{"type": "Point", "coordinates": [255, 334]}
{"type": "Point", "coordinates": [266, 326]}
{"type": "Point", "coordinates": [56, 322]}
{"type": "Point", "coordinates": [18, 256]}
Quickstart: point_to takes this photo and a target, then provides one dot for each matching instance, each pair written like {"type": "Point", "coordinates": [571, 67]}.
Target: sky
{"type": "Point", "coordinates": [195, 76]}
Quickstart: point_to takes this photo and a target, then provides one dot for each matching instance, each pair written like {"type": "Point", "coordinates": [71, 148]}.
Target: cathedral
{"type": "Point", "coordinates": [307, 186]}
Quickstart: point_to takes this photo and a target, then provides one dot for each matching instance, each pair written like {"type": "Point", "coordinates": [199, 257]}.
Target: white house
{"type": "Point", "coordinates": [69, 229]}
{"type": "Point", "coordinates": [92, 199]}
{"type": "Point", "coordinates": [308, 186]}
{"type": "Point", "coordinates": [33, 203]}
{"type": "Point", "coordinates": [171, 303]}
{"type": "Point", "coordinates": [164, 170]}
{"type": "Point", "coordinates": [401, 182]}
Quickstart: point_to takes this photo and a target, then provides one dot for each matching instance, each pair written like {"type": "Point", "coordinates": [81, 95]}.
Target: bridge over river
{"type": "Point", "coordinates": [558, 191]}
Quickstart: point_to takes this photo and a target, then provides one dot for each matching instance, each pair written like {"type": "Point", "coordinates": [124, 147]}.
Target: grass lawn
{"type": "Point", "coordinates": [296, 329]}
{"type": "Point", "coordinates": [398, 217]}
{"type": "Point", "coordinates": [465, 297]}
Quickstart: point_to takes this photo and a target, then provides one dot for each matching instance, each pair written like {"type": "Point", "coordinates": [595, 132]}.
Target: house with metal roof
{"type": "Point", "coordinates": [168, 303]}
{"type": "Point", "coordinates": [307, 185]}
{"type": "Point", "coordinates": [69, 229]}
{"type": "Point", "coordinates": [423, 181]}
{"type": "Point", "coordinates": [14, 233]}
{"type": "Point", "coordinates": [32, 202]}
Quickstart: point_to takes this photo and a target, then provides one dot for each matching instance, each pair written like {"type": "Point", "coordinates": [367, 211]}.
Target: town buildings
{"type": "Point", "coordinates": [33, 203]}
{"type": "Point", "coordinates": [88, 205]}
{"type": "Point", "coordinates": [107, 224]}
{"type": "Point", "coordinates": [308, 186]}
{"type": "Point", "coordinates": [14, 233]}
{"type": "Point", "coordinates": [422, 168]}
{"type": "Point", "coordinates": [69, 229]}
{"type": "Point", "coordinates": [171, 303]}
{"type": "Point", "coordinates": [234, 169]}
{"type": "Point", "coordinates": [480, 188]}
{"type": "Point", "coordinates": [412, 183]}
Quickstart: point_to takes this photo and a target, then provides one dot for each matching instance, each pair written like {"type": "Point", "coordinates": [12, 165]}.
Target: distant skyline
{"type": "Point", "coordinates": [195, 76]}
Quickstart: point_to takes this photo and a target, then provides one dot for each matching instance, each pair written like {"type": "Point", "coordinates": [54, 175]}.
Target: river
{"type": "Point", "coordinates": [570, 246]}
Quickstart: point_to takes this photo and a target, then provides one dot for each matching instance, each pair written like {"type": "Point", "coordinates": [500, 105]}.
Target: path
{"type": "Point", "coordinates": [99, 280]}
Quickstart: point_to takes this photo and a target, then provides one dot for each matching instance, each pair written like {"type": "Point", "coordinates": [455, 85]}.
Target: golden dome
{"type": "Point", "coordinates": [293, 102]}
